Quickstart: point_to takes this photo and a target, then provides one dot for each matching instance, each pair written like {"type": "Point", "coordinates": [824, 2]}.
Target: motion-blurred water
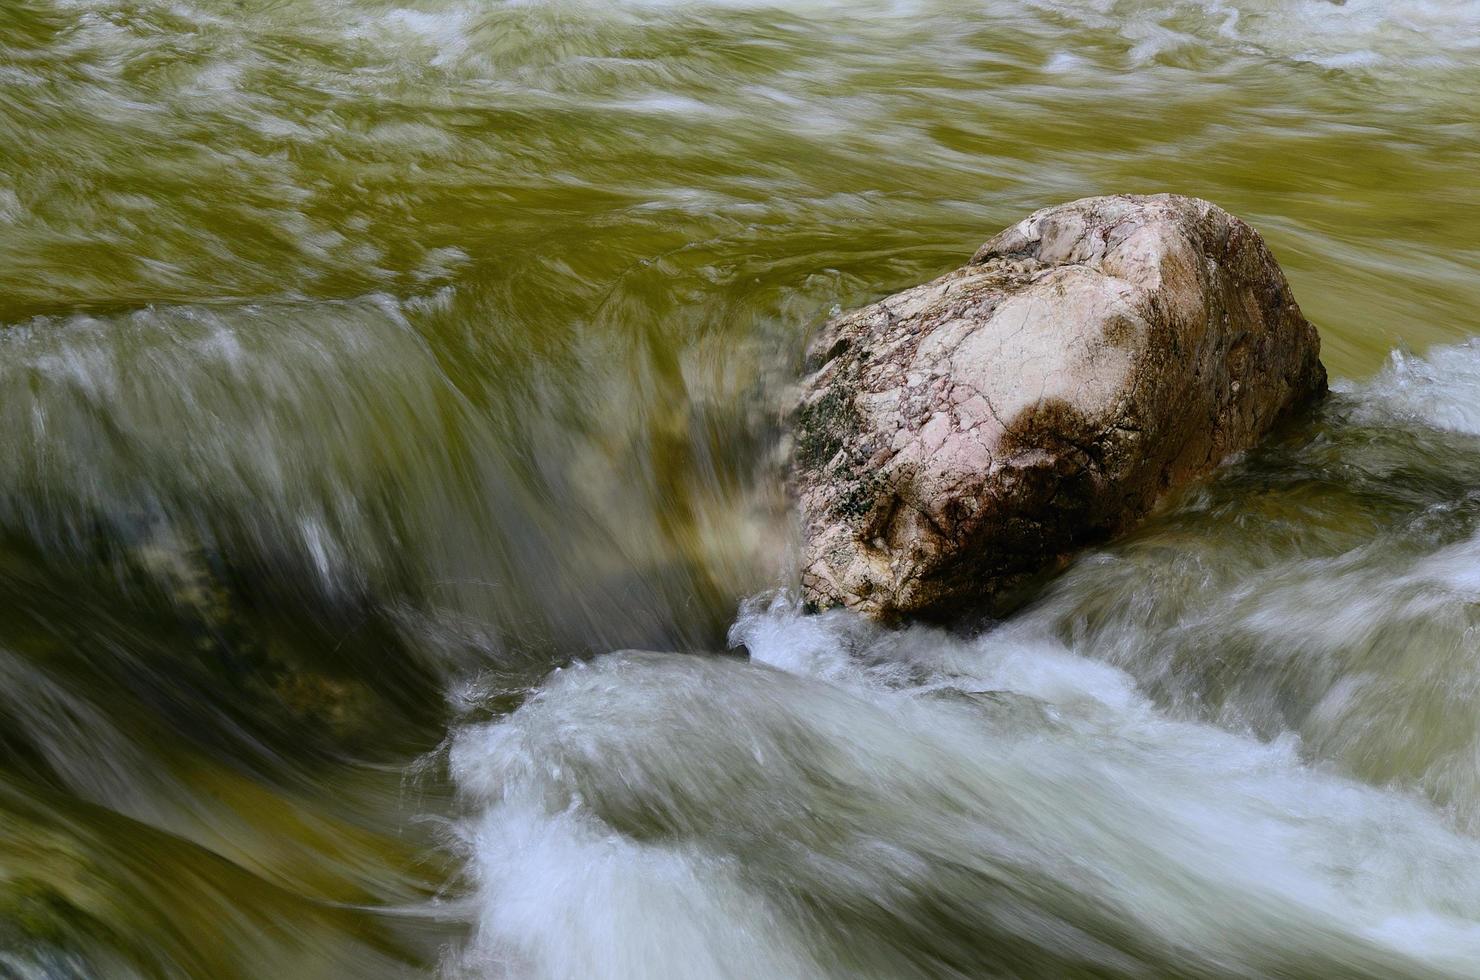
{"type": "Point", "coordinates": [364, 363]}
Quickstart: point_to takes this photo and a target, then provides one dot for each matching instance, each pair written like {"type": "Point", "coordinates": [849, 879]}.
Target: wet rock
{"type": "Point", "coordinates": [958, 438]}
{"type": "Point", "coordinates": [255, 636]}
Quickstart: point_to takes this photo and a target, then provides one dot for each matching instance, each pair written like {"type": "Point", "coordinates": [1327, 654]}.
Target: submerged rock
{"type": "Point", "coordinates": [958, 438]}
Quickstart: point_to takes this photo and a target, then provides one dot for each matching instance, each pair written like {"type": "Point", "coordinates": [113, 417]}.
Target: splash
{"type": "Point", "coordinates": [1212, 755]}
{"type": "Point", "coordinates": [362, 361]}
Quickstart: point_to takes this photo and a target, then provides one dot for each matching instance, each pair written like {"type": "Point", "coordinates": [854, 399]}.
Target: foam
{"type": "Point", "coordinates": [663, 806]}
{"type": "Point", "coordinates": [864, 801]}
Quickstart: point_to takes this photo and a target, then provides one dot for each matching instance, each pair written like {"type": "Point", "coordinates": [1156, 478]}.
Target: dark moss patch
{"type": "Point", "coordinates": [860, 498]}
{"type": "Point", "coordinates": [823, 427]}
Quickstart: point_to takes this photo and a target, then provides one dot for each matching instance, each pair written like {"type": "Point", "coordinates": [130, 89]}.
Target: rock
{"type": "Point", "coordinates": [958, 438]}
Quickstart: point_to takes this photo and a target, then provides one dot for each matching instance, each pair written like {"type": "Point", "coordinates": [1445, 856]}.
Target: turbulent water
{"type": "Point", "coordinates": [395, 579]}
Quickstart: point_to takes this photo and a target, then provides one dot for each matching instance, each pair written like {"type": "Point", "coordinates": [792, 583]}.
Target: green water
{"type": "Point", "coordinates": [361, 363]}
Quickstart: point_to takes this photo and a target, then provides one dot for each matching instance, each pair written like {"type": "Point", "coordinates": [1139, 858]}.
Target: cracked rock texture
{"type": "Point", "coordinates": [958, 438]}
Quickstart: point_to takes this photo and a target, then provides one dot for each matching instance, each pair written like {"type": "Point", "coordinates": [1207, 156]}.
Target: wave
{"type": "Point", "coordinates": [1210, 752]}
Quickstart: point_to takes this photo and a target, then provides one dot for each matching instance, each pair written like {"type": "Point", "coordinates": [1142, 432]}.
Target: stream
{"type": "Point", "coordinates": [396, 573]}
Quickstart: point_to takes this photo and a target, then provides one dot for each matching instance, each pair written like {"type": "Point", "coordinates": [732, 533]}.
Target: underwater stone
{"type": "Point", "coordinates": [957, 439]}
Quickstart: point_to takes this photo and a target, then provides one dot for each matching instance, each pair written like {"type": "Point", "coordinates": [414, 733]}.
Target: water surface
{"type": "Point", "coordinates": [396, 575]}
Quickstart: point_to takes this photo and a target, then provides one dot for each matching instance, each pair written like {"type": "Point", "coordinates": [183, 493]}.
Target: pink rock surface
{"type": "Point", "coordinates": [961, 436]}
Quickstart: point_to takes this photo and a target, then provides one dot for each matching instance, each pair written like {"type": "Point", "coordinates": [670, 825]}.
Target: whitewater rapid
{"type": "Point", "coordinates": [1118, 781]}
{"type": "Point", "coordinates": [362, 362]}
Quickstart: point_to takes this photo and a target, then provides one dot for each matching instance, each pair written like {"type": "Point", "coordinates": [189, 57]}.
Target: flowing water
{"type": "Point", "coordinates": [394, 568]}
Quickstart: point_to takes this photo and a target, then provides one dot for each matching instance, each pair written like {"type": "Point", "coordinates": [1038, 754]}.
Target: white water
{"type": "Point", "coordinates": [853, 801]}
{"type": "Point", "coordinates": [359, 353]}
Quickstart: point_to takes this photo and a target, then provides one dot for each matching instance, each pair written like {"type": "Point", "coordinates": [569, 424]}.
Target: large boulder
{"type": "Point", "coordinates": [958, 438]}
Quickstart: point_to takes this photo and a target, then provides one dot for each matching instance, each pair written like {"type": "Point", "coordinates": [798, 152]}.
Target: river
{"type": "Point", "coordinates": [395, 573]}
